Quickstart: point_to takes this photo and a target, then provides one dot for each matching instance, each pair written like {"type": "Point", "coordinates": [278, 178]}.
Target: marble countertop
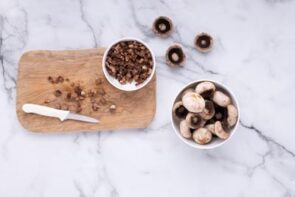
{"type": "Point", "coordinates": [253, 54]}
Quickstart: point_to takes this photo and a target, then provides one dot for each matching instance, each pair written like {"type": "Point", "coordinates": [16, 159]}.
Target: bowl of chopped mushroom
{"type": "Point", "coordinates": [205, 114]}
{"type": "Point", "coordinates": [128, 64]}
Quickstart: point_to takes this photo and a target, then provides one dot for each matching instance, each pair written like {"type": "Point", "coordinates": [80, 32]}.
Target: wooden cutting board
{"type": "Point", "coordinates": [134, 109]}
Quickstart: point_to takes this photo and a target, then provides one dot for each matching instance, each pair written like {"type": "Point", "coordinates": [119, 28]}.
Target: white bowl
{"type": "Point", "coordinates": [128, 86]}
{"type": "Point", "coordinates": [217, 141]}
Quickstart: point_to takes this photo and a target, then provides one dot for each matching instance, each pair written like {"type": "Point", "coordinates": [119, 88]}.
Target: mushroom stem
{"type": "Point", "coordinates": [218, 130]}
{"type": "Point", "coordinates": [184, 130]}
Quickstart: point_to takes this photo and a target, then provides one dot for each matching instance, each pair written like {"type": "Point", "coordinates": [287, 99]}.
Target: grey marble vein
{"type": "Point", "coordinates": [268, 139]}
{"type": "Point", "coordinates": [83, 17]}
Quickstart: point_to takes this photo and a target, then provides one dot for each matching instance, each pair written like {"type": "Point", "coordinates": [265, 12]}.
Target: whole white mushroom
{"type": "Point", "coordinates": [193, 102]}
{"type": "Point", "coordinates": [202, 136]}
{"type": "Point", "coordinates": [221, 99]}
{"type": "Point", "coordinates": [205, 89]}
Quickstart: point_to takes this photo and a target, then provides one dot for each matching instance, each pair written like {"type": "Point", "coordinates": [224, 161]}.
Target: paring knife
{"type": "Point", "coordinates": [56, 113]}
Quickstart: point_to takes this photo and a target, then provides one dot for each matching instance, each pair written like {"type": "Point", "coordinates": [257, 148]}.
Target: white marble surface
{"type": "Point", "coordinates": [254, 54]}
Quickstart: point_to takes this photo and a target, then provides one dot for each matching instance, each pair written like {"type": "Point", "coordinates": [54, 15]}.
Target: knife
{"type": "Point", "coordinates": [56, 113]}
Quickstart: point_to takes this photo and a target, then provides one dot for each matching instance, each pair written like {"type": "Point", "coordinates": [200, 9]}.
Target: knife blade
{"type": "Point", "coordinates": [56, 113]}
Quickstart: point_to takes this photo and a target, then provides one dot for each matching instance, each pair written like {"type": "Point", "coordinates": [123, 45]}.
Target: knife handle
{"type": "Point", "coordinates": [45, 111]}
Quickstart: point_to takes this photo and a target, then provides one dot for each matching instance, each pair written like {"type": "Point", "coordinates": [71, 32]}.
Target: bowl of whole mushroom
{"type": "Point", "coordinates": [205, 114]}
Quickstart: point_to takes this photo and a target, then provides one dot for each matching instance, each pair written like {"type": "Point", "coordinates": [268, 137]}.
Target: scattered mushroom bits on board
{"type": "Point", "coordinates": [115, 110]}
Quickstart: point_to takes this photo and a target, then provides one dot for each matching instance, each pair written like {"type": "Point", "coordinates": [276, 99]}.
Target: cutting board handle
{"type": "Point", "coordinates": [45, 111]}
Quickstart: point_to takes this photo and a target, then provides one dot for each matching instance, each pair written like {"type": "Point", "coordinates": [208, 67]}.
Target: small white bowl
{"type": "Point", "coordinates": [217, 141]}
{"type": "Point", "coordinates": [128, 86]}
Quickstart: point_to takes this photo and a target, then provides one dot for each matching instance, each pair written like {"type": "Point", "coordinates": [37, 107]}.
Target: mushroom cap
{"type": "Point", "coordinates": [221, 99]}
{"type": "Point", "coordinates": [193, 102]}
{"type": "Point", "coordinates": [219, 131]}
{"type": "Point", "coordinates": [175, 55]}
{"type": "Point", "coordinates": [187, 90]}
{"type": "Point", "coordinates": [202, 136]}
{"type": "Point", "coordinates": [205, 89]}
{"type": "Point", "coordinates": [203, 42]}
{"type": "Point", "coordinates": [209, 110]}
{"type": "Point", "coordinates": [179, 111]}
{"type": "Point", "coordinates": [184, 130]}
{"type": "Point", "coordinates": [163, 26]}
{"type": "Point", "coordinates": [194, 121]}
{"type": "Point", "coordinates": [232, 115]}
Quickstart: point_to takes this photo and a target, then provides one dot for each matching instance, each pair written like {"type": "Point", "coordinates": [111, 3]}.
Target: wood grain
{"type": "Point", "coordinates": [134, 109]}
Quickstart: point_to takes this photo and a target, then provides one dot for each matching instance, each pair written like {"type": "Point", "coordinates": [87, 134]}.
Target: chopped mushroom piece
{"type": "Point", "coordinates": [113, 108]}
{"type": "Point", "coordinates": [193, 102]}
{"type": "Point", "coordinates": [202, 136]}
{"type": "Point", "coordinates": [57, 93]}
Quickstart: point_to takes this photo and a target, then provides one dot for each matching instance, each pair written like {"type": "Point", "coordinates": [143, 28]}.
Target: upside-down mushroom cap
{"type": "Point", "coordinates": [194, 121]}
{"type": "Point", "coordinates": [179, 111]}
{"type": "Point", "coordinates": [205, 89]}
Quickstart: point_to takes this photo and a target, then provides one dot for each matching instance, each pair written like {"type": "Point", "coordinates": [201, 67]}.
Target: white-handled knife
{"type": "Point", "coordinates": [56, 113]}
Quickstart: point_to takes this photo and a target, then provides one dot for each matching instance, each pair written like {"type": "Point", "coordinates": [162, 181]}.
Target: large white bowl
{"type": "Point", "coordinates": [128, 86]}
{"type": "Point", "coordinates": [216, 142]}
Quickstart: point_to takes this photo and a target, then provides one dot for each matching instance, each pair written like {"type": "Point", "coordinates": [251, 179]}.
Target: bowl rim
{"type": "Point", "coordinates": [108, 76]}
{"type": "Point", "coordinates": [194, 144]}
